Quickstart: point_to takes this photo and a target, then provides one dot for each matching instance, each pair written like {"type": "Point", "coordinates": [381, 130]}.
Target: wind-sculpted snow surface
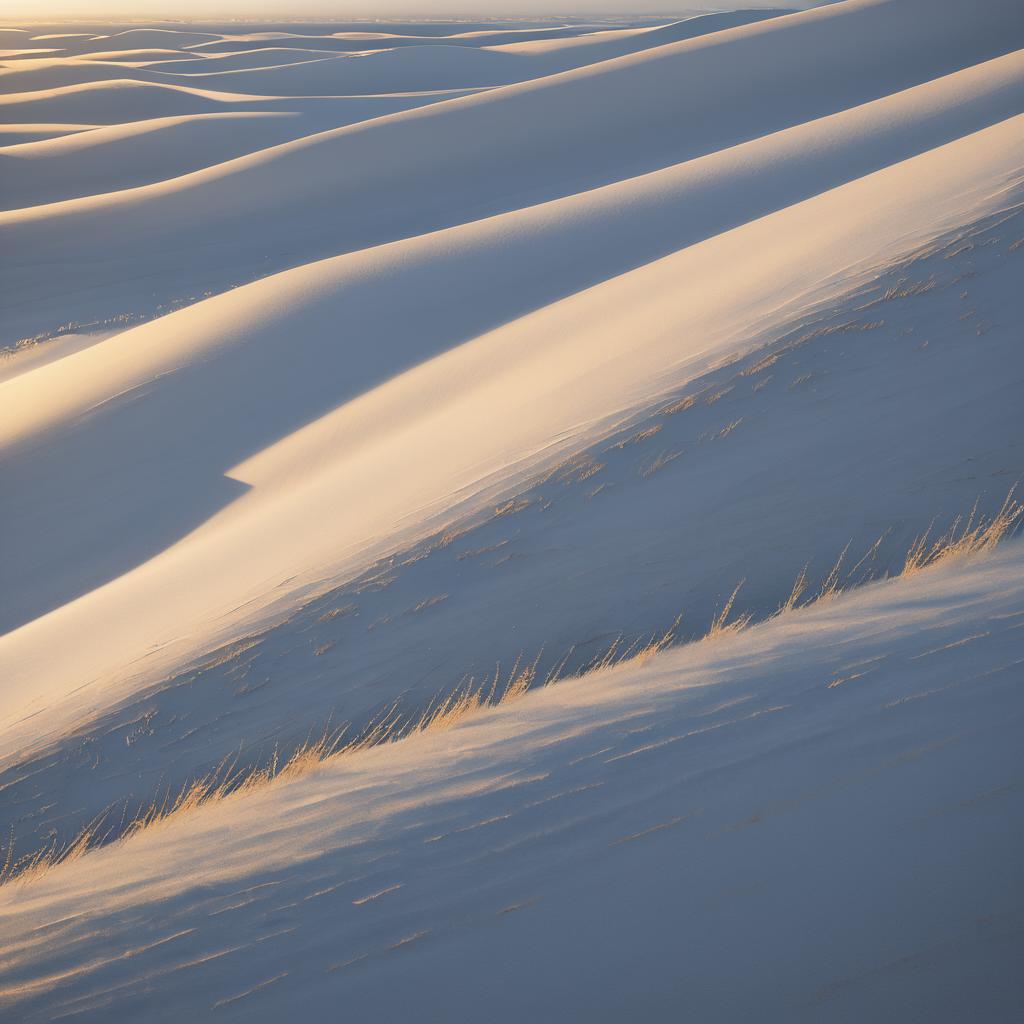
{"type": "Point", "coordinates": [819, 806]}
{"type": "Point", "coordinates": [351, 366]}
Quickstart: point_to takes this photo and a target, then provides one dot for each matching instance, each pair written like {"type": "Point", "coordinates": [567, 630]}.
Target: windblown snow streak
{"type": "Point", "coordinates": [347, 363]}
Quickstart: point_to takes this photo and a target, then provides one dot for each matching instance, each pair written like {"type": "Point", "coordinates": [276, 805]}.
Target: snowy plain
{"type": "Point", "coordinates": [349, 365]}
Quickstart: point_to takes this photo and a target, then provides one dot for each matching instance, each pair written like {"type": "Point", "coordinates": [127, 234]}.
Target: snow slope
{"type": "Point", "coordinates": [625, 845]}
{"type": "Point", "coordinates": [330, 386]}
{"type": "Point", "coordinates": [609, 520]}
{"type": "Point", "coordinates": [322, 437]}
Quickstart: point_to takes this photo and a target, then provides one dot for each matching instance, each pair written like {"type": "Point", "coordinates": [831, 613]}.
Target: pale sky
{"type": "Point", "coordinates": [285, 10]}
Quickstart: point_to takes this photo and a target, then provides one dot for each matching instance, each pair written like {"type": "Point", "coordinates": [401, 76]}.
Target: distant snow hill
{"type": "Point", "coordinates": [359, 380]}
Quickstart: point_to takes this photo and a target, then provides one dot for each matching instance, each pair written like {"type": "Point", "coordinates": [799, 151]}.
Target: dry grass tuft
{"type": "Point", "coordinates": [711, 397]}
{"type": "Point", "coordinates": [573, 470]}
{"type": "Point", "coordinates": [728, 429]}
{"type": "Point", "coordinates": [970, 536]}
{"type": "Point", "coordinates": [339, 613]}
{"type": "Point", "coordinates": [226, 779]}
{"type": "Point", "coordinates": [761, 364]}
{"type": "Point", "coordinates": [658, 463]}
{"type": "Point", "coordinates": [800, 585]}
{"type": "Point", "coordinates": [720, 624]}
{"type": "Point", "coordinates": [833, 584]}
{"type": "Point", "coordinates": [428, 602]}
{"type": "Point", "coordinates": [511, 507]}
{"type": "Point", "coordinates": [680, 405]}
{"type": "Point", "coordinates": [35, 864]}
{"type": "Point", "coordinates": [905, 289]}
{"type": "Point", "coordinates": [637, 438]}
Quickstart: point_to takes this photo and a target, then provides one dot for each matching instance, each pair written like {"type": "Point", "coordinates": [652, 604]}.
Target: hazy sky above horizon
{"type": "Point", "coordinates": [98, 10]}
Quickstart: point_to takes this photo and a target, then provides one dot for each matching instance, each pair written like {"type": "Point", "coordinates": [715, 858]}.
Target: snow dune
{"type": "Point", "coordinates": [128, 155]}
{"type": "Point", "coordinates": [412, 68]}
{"type": "Point", "coordinates": [185, 63]}
{"type": "Point", "coordinates": [17, 134]}
{"type": "Point", "coordinates": [147, 38]}
{"type": "Point", "coordinates": [363, 37]}
{"type": "Point", "coordinates": [889, 345]}
{"type": "Point", "coordinates": [407, 70]}
{"type": "Point", "coordinates": [607, 122]}
{"type": "Point", "coordinates": [131, 56]}
{"type": "Point", "coordinates": [111, 158]}
{"type": "Point", "coordinates": [119, 102]}
{"type": "Point", "coordinates": [373, 436]}
{"type": "Point", "coordinates": [345, 363]}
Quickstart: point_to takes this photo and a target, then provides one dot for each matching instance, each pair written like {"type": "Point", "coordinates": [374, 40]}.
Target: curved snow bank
{"type": "Point", "coordinates": [153, 38]}
{"type": "Point", "coordinates": [119, 102]}
{"type": "Point", "coordinates": [836, 767]}
{"type": "Point", "coordinates": [19, 134]}
{"type": "Point", "coordinates": [358, 39]}
{"type": "Point", "coordinates": [311, 500]}
{"type": "Point", "coordinates": [132, 56]}
{"type": "Point", "coordinates": [472, 156]}
{"type": "Point", "coordinates": [186, 62]}
{"type": "Point", "coordinates": [407, 70]}
{"type": "Point", "coordinates": [113, 102]}
{"type": "Point", "coordinates": [138, 153]}
{"type": "Point", "coordinates": [495, 261]}
{"type": "Point", "coordinates": [421, 65]}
